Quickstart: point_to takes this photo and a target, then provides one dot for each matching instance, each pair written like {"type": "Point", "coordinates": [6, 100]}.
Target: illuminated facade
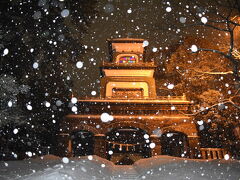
{"type": "Point", "coordinates": [129, 121]}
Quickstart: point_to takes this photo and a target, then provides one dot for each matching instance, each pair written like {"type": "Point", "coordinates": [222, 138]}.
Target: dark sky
{"type": "Point", "coordinates": [158, 21]}
{"type": "Point", "coordinates": [131, 18]}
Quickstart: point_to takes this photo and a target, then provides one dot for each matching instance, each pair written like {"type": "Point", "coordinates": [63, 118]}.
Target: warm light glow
{"type": "Point", "coordinates": [128, 47]}
{"type": "Point", "coordinates": [128, 72]}
{"type": "Point", "coordinates": [128, 85]}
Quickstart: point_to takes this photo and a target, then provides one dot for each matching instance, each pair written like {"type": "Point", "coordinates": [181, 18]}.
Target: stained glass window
{"type": "Point", "coordinates": [127, 59]}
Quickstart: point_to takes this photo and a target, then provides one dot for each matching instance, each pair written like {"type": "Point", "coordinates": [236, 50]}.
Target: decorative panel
{"type": "Point", "coordinates": [127, 93]}
{"type": "Point", "coordinates": [131, 86]}
{"type": "Point", "coordinates": [128, 47]}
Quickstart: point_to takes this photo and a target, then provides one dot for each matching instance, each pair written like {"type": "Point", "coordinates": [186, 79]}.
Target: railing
{"type": "Point", "coordinates": [150, 98]}
{"type": "Point", "coordinates": [146, 64]}
{"type": "Point", "coordinates": [139, 98]}
{"type": "Point", "coordinates": [183, 97]}
{"type": "Point", "coordinates": [213, 153]}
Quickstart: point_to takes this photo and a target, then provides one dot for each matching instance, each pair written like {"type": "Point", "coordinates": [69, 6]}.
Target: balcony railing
{"type": "Point", "coordinates": [150, 98]}
{"type": "Point", "coordinates": [139, 64]}
{"type": "Point", "coordinates": [181, 98]}
{"type": "Point", "coordinates": [213, 153]}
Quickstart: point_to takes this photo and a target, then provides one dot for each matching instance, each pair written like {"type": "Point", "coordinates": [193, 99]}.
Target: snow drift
{"type": "Point", "coordinates": [93, 167]}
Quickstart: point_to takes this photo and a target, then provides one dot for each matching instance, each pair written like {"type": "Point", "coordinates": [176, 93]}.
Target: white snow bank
{"type": "Point", "coordinates": [47, 157]}
{"type": "Point", "coordinates": [52, 167]}
{"type": "Point", "coordinates": [166, 167]}
{"type": "Point", "coordinates": [161, 167]}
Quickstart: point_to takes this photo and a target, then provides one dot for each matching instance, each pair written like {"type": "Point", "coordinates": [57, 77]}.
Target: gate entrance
{"type": "Point", "coordinates": [127, 145]}
{"type": "Point", "coordinates": [82, 143]}
{"type": "Point", "coordinates": [174, 144]}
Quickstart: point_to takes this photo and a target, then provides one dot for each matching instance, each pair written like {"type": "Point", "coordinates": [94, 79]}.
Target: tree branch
{"type": "Point", "coordinates": [215, 51]}
{"type": "Point", "coordinates": [214, 73]}
{"type": "Point", "coordinates": [211, 26]}
{"type": "Point", "coordinates": [206, 109]}
{"type": "Point", "coordinates": [229, 100]}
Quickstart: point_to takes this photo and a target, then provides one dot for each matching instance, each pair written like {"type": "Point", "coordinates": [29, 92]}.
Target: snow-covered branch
{"type": "Point", "coordinates": [214, 73]}
{"type": "Point", "coordinates": [207, 72]}
{"type": "Point", "coordinates": [214, 51]}
{"type": "Point", "coordinates": [226, 101]}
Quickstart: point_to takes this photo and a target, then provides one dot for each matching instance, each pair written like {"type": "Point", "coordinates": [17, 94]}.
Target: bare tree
{"type": "Point", "coordinates": [218, 19]}
{"type": "Point", "coordinates": [207, 61]}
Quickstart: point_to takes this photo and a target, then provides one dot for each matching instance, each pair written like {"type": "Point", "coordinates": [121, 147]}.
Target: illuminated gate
{"type": "Point", "coordinates": [128, 97]}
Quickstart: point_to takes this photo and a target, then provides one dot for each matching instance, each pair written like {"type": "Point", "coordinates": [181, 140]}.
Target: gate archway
{"type": "Point", "coordinates": [126, 145]}
{"type": "Point", "coordinates": [174, 144]}
{"type": "Point", "coordinates": [82, 143]}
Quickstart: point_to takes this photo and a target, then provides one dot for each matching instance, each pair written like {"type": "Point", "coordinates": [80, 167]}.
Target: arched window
{"type": "Point", "coordinates": [83, 143]}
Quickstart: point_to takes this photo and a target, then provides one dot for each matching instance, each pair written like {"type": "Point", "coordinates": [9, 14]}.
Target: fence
{"type": "Point", "coordinates": [213, 153]}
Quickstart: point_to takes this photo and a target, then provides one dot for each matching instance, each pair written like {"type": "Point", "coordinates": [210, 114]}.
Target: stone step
{"type": "Point", "coordinates": [125, 172]}
{"type": "Point", "coordinates": [125, 178]}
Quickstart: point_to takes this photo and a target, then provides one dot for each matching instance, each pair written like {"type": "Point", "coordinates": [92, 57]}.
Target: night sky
{"type": "Point", "coordinates": [163, 23]}
{"type": "Point", "coordinates": [134, 19]}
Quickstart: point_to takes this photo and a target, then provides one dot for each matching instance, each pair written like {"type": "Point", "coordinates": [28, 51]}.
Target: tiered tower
{"type": "Point", "coordinates": [129, 121]}
{"type": "Point", "coordinates": [127, 75]}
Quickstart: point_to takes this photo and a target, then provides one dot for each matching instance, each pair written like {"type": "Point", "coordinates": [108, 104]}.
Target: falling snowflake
{"type": "Point", "coordinates": [204, 20]}
{"type": "Point", "coordinates": [29, 107]}
{"type": "Point", "coordinates": [65, 13]}
{"type": "Point", "coordinates": [194, 48]}
{"type": "Point", "coordinates": [154, 49]}
{"type": "Point", "coordinates": [145, 43]}
{"type": "Point", "coordinates": [74, 100]}
{"type": "Point", "coordinates": [110, 152]}
{"type": "Point", "coordinates": [152, 145]}
{"type": "Point", "coordinates": [29, 153]}
{"type": "Point", "coordinates": [15, 131]}
{"type": "Point", "coordinates": [168, 9]}
{"type": "Point", "coordinates": [105, 117]}
{"type": "Point", "coordinates": [47, 104]}
{"type": "Point", "coordinates": [74, 109]}
{"type": "Point", "coordinates": [90, 157]}
{"type": "Point", "coordinates": [5, 52]}
{"type": "Point", "coordinates": [79, 64]}
{"type": "Point", "coordinates": [65, 160]}
{"type": "Point", "coordinates": [93, 93]}
{"type": "Point", "coordinates": [35, 65]}
{"type": "Point", "coordinates": [170, 86]}
{"type": "Point", "coordinates": [200, 122]}
{"type": "Point", "coordinates": [108, 8]}
{"type": "Point", "coordinates": [10, 103]}
{"type": "Point", "coordinates": [129, 11]}
{"type": "Point", "coordinates": [173, 108]}
{"type": "Point", "coordinates": [37, 15]}
{"type": "Point", "coordinates": [157, 132]}
{"type": "Point", "coordinates": [146, 136]}
{"type": "Point", "coordinates": [58, 103]}
{"type": "Point", "coordinates": [226, 156]}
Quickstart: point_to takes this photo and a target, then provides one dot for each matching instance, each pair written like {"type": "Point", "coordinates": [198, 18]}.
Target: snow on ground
{"type": "Point", "coordinates": [179, 168]}
{"type": "Point", "coordinates": [93, 167]}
